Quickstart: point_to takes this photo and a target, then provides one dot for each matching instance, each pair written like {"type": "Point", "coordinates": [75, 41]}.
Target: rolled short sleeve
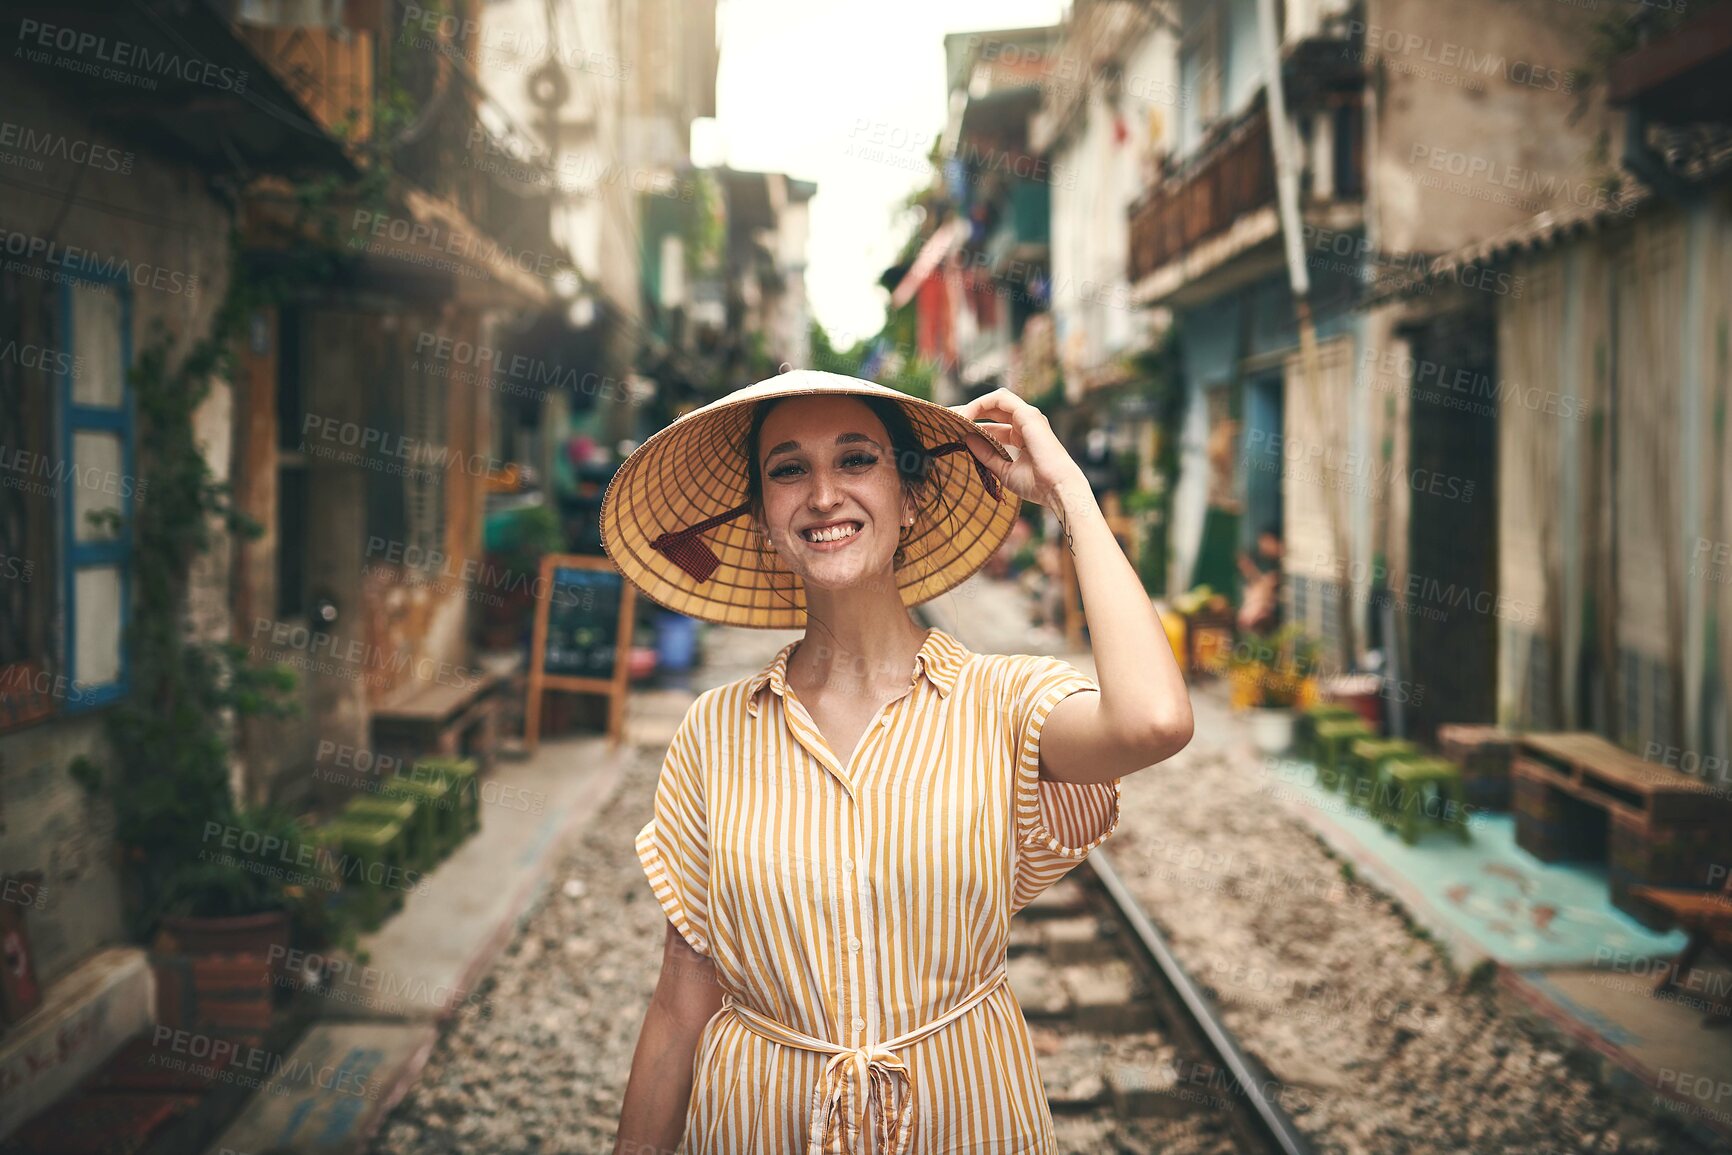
{"type": "Point", "coordinates": [674, 845]}
{"type": "Point", "coordinates": [1057, 823]}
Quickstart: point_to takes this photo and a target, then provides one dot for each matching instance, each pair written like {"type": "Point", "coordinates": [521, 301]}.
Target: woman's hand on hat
{"type": "Point", "coordinates": [1043, 470]}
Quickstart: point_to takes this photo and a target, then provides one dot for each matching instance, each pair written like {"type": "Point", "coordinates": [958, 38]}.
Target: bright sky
{"type": "Point", "coordinates": [850, 94]}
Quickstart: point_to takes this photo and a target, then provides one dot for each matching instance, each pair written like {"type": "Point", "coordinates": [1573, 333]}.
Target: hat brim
{"type": "Point", "coordinates": [694, 469]}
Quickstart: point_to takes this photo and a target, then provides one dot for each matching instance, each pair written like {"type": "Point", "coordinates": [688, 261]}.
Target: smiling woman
{"type": "Point", "coordinates": [926, 793]}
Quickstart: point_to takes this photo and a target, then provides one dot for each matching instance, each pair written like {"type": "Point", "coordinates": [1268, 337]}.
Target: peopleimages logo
{"type": "Point", "coordinates": [40, 357]}
{"type": "Point", "coordinates": [36, 142]}
{"type": "Point", "coordinates": [39, 39]}
{"type": "Point", "coordinates": [474, 247]}
{"type": "Point", "coordinates": [89, 264]}
{"type": "Point", "coordinates": [1459, 57]}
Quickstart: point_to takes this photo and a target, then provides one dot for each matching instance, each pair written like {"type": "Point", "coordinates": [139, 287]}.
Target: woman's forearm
{"type": "Point", "coordinates": [1141, 684]}
{"type": "Point", "coordinates": [658, 1090]}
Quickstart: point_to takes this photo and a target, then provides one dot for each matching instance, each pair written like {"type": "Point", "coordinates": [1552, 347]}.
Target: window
{"type": "Point", "coordinates": [424, 467]}
{"type": "Point", "coordinates": [291, 470]}
{"type": "Point", "coordinates": [1660, 729]}
{"type": "Point", "coordinates": [1199, 71]}
{"type": "Point", "coordinates": [1329, 595]}
{"type": "Point", "coordinates": [1629, 693]}
{"type": "Point", "coordinates": [96, 489]}
{"type": "Point", "coordinates": [1540, 683]}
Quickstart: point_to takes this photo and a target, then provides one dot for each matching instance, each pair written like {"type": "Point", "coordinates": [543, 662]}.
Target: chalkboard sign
{"type": "Point", "coordinates": [582, 643]}
{"type": "Point", "coordinates": [582, 622]}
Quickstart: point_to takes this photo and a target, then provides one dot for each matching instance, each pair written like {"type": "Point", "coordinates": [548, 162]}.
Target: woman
{"type": "Point", "coordinates": [839, 841]}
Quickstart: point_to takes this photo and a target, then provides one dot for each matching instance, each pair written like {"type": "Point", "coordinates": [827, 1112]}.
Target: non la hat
{"type": "Point", "coordinates": [673, 517]}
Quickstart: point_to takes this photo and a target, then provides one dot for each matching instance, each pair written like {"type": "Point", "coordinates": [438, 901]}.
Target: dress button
{"type": "Point", "coordinates": [884, 721]}
{"type": "Point", "coordinates": [853, 944]}
{"type": "Point", "coordinates": [847, 865]}
{"type": "Point", "coordinates": [859, 1024]}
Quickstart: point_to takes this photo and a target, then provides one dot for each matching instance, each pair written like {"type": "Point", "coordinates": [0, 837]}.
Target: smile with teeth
{"type": "Point", "coordinates": [831, 532]}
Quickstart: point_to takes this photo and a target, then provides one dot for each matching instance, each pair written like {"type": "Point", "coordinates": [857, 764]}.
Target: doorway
{"type": "Point", "coordinates": [1452, 524]}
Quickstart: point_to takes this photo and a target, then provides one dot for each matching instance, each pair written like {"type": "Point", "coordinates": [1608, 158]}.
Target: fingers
{"type": "Point", "coordinates": [1000, 400]}
{"type": "Point", "coordinates": [1026, 414]}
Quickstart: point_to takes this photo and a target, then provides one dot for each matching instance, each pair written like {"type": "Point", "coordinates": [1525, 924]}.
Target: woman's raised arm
{"type": "Point", "coordinates": [1143, 713]}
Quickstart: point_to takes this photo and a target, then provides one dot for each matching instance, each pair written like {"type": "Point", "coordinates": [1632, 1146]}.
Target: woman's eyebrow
{"type": "Point", "coordinates": [841, 439]}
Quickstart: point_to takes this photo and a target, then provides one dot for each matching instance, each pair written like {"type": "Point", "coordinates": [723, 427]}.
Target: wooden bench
{"type": "Point", "coordinates": [451, 721]}
{"type": "Point", "coordinates": [1707, 916]}
{"type": "Point", "coordinates": [1588, 767]}
{"type": "Point", "coordinates": [1661, 827]}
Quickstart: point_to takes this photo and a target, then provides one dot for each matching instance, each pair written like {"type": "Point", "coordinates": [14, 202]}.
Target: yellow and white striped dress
{"type": "Point", "coordinates": [858, 916]}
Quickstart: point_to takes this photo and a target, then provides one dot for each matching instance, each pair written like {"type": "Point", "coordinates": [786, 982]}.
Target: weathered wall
{"type": "Point", "coordinates": [1473, 126]}
{"type": "Point", "coordinates": [1617, 455]}
{"type": "Point", "coordinates": [162, 220]}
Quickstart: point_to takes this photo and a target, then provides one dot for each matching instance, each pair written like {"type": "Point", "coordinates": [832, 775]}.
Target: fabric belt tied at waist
{"type": "Point", "coordinates": [871, 1076]}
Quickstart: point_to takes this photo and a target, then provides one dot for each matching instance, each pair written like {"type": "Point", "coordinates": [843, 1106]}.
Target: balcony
{"type": "Point", "coordinates": [1216, 206]}
{"type": "Point", "coordinates": [330, 71]}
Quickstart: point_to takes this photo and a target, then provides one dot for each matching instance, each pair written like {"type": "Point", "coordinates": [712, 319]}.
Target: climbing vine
{"type": "Point", "coordinates": [171, 738]}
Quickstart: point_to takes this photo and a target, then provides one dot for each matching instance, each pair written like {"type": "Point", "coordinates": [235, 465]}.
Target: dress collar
{"type": "Point", "coordinates": [941, 657]}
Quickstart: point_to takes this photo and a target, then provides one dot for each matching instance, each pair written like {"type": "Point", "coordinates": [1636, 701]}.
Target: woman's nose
{"type": "Point", "coordinates": [825, 492]}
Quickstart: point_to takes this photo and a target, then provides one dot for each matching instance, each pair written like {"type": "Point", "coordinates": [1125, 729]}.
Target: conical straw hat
{"type": "Point", "coordinates": [673, 520]}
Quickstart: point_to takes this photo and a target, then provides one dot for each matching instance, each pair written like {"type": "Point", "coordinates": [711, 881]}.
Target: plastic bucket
{"type": "Point", "coordinates": [676, 641]}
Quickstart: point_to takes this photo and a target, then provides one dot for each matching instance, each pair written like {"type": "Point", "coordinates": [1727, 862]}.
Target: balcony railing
{"type": "Point", "coordinates": [1202, 197]}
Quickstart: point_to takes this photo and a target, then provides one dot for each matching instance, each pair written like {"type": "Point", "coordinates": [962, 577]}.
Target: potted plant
{"type": "Point", "coordinates": [1272, 677]}
{"type": "Point", "coordinates": [237, 894]}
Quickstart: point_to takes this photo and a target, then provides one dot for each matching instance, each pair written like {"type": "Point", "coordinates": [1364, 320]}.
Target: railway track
{"type": "Point", "coordinates": [1134, 1055]}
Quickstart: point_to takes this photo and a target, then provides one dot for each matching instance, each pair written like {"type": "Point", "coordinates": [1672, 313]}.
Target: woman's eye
{"type": "Point", "coordinates": [853, 460]}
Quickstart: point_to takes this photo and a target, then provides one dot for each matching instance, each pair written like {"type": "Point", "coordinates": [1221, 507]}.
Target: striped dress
{"type": "Point", "coordinates": [850, 910]}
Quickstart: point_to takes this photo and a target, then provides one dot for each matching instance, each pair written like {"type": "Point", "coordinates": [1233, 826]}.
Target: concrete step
{"type": "Point", "coordinates": [84, 1018]}
{"type": "Point", "coordinates": [332, 1091]}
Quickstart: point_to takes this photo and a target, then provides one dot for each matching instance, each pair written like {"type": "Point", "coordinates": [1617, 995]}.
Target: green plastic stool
{"type": "Point", "coordinates": [438, 804]}
{"type": "Point", "coordinates": [1365, 757]}
{"type": "Point", "coordinates": [1334, 737]}
{"type": "Point", "coordinates": [370, 865]}
{"type": "Point", "coordinates": [418, 850]}
{"type": "Point", "coordinates": [464, 776]}
{"type": "Point", "coordinates": [1305, 726]}
{"type": "Point", "coordinates": [1401, 797]}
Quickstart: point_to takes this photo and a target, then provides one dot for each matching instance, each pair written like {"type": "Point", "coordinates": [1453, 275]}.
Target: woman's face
{"type": "Point", "coordinates": [828, 472]}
